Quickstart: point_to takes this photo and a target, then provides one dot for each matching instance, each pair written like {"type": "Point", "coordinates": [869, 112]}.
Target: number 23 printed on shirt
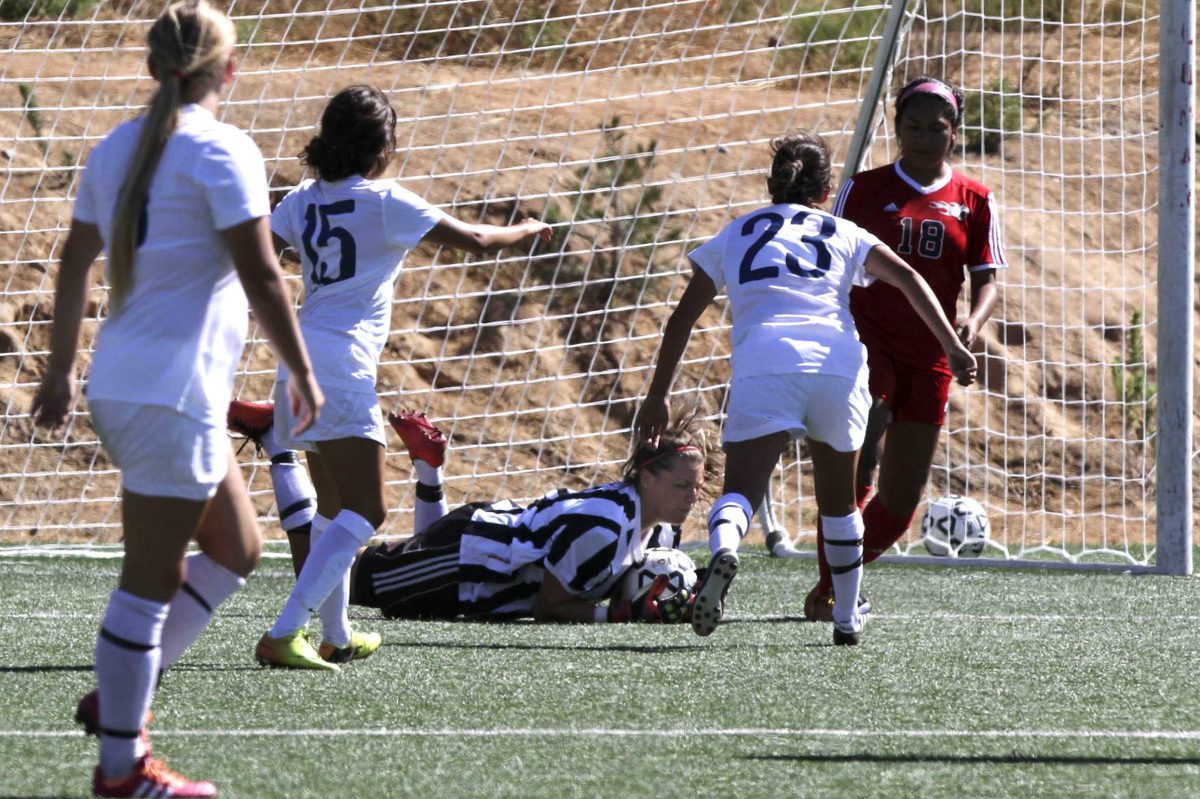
{"type": "Point", "coordinates": [318, 235]}
{"type": "Point", "coordinates": [747, 273]}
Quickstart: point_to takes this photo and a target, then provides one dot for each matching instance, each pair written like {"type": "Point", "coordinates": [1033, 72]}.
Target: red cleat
{"type": "Point", "coordinates": [87, 713]}
{"type": "Point", "coordinates": [423, 441]}
{"type": "Point", "coordinates": [251, 419]}
{"type": "Point", "coordinates": [151, 777]}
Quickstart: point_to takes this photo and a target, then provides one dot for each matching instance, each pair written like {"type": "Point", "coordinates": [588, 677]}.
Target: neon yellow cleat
{"type": "Point", "coordinates": [290, 652]}
{"type": "Point", "coordinates": [362, 645]}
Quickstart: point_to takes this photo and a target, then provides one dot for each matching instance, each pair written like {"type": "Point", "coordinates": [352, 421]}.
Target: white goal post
{"type": "Point", "coordinates": [637, 129]}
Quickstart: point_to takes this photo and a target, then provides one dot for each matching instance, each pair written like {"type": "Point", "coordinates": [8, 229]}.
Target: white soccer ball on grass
{"type": "Point", "coordinates": [955, 525]}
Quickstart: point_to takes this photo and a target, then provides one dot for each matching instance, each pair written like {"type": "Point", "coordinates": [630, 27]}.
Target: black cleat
{"type": "Point", "coordinates": [708, 607]}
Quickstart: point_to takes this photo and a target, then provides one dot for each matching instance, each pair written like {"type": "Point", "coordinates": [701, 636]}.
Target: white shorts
{"type": "Point", "coordinates": [826, 408]}
{"type": "Point", "coordinates": [345, 414]}
{"type": "Point", "coordinates": [161, 452]}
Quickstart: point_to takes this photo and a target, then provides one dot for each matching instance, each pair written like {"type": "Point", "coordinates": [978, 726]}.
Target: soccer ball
{"type": "Point", "coordinates": [955, 525]}
{"type": "Point", "coordinates": [679, 568]}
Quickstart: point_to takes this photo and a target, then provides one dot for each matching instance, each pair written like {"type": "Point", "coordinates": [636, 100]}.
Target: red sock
{"type": "Point", "coordinates": [883, 529]}
{"type": "Point", "coordinates": [861, 495]}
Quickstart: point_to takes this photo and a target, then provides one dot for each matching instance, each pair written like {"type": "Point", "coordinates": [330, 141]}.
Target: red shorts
{"type": "Point", "coordinates": [912, 393]}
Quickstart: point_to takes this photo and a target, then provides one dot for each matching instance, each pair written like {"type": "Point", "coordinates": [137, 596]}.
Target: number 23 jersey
{"type": "Point", "coordinates": [351, 236]}
{"type": "Point", "coordinates": [787, 270]}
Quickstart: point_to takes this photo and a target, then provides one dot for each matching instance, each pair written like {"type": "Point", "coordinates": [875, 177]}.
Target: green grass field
{"type": "Point", "coordinates": [969, 683]}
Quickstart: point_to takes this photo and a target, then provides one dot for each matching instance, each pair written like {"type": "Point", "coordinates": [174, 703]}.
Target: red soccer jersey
{"type": "Point", "coordinates": [942, 231]}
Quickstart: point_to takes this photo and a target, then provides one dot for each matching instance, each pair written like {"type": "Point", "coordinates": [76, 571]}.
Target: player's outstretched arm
{"type": "Point", "coordinates": [890, 268]}
{"type": "Point", "coordinates": [250, 244]}
{"type": "Point", "coordinates": [556, 603]}
{"type": "Point", "coordinates": [653, 416]}
{"type": "Point", "coordinates": [459, 235]}
{"type": "Point", "coordinates": [54, 395]}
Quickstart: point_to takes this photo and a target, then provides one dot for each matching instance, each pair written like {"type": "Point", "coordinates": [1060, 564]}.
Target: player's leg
{"type": "Point", "coordinates": [168, 479]}
{"type": "Point", "coordinates": [779, 543]}
{"type": "Point", "coordinates": [230, 545]}
{"type": "Point", "coordinates": [918, 412]}
{"type": "Point", "coordinates": [295, 497]}
{"type": "Point", "coordinates": [903, 472]}
{"type": "Point", "coordinates": [426, 446]}
{"type": "Point", "coordinates": [818, 605]}
{"type": "Point", "coordinates": [414, 578]}
{"type": "Point", "coordinates": [748, 467]}
{"type": "Point", "coordinates": [128, 649]}
{"type": "Point", "coordinates": [334, 621]}
{"type": "Point", "coordinates": [356, 468]}
{"type": "Point", "coordinates": [833, 485]}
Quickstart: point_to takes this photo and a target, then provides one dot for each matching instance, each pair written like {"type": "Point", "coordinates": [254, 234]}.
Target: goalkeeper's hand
{"type": "Point", "coordinates": [657, 606]}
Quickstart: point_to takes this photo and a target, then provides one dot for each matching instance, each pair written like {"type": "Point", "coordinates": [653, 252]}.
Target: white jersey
{"type": "Point", "coordinates": [352, 236]}
{"type": "Point", "coordinates": [787, 270]}
{"type": "Point", "coordinates": [177, 339]}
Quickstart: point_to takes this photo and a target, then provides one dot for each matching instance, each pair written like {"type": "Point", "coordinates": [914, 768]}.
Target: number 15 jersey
{"type": "Point", "coordinates": [787, 270]}
{"type": "Point", "coordinates": [352, 236]}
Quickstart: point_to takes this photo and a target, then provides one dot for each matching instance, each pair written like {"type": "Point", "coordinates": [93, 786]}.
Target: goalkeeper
{"type": "Point", "coordinates": [556, 559]}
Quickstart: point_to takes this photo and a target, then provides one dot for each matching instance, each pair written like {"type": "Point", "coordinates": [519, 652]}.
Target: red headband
{"type": "Point", "coordinates": [178, 73]}
{"type": "Point", "coordinates": [930, 87]}
{"type": "Point", "coordinates": [676, 451]}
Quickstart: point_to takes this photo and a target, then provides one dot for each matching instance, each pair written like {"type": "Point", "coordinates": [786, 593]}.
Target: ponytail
{"type": "Point", "coordinates": [189, 39]}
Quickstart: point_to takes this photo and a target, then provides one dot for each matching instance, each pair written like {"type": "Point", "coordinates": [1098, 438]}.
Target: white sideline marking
{"type": "Point", "coordinates": [1052, 618]}
{"type": "Point", "coordinates": [602, 732]}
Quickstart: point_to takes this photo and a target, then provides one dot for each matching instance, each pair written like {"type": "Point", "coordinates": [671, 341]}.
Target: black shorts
{"type": "Point", "coordinates": [415, 578]}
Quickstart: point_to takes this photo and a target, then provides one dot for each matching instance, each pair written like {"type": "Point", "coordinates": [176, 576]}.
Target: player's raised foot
{"type": "Point", "coordinates": [251, 419]}
{"type": "Point", "coordinates": [421, 438]}
{"type": "Point", "coordinates": [290, 652]}
{"type": "Point", "coordinates": [708, 607]}
{"type": "Point", "coordinates": [818, 605]}
{"type": "Point", "coordinates": [362, 645]}
{"type": "Point", "coordinates": [87, 714]}
{"type": "Point", "coordinates": [780, 546]}
{"type": "Point", "coordinates": [151, 777]}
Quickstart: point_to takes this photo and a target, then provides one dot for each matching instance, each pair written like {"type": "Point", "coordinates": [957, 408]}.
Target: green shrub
{"type": "Point", "coordinates": [16, 10]}
{"type": "Point", "coordinates": [1134, 388]}
{"type": "Point", "coordinates": [32, 115]}
{"type": "Point", "coordinates": [989, 116]}
{"type": "Point", "coordinates": [1037, 12]}
{"type": "Point", "coordinates": [616, 213]}
{"type": "Point", "coordinates": [834, 32]}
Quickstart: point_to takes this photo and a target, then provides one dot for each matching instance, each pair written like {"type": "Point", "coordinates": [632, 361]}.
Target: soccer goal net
{"type": "Point", "coordinates": [638, 129]}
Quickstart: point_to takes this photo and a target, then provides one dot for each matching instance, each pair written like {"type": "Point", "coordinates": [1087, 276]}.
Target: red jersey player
{"type": "Point", "coordinates": [946, 227]}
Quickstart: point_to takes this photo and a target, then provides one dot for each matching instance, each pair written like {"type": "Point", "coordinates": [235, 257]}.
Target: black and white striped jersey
{"type": "Point", "coordinates": [586, 539]}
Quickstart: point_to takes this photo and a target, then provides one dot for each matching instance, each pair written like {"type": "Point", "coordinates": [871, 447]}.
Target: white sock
{"type": "Point", "coordinates": [206, 585]}
{"type": "Point", "coordinates": [728, 521]}
{"type": "Point", "coordinates": [295, 496]}
{"type": "Point", "coordinates": [430, 503]}
{"type": "Point", "coordinates": [335, 624]}
{"type": "Point", "coordinates": [328, 563]}
{"type": "Point", "coordinates": [844, 552]}
{"type": "Point", "coordinates": [127, 659]}
{"type": "Point", "coordinates": [271, 445]}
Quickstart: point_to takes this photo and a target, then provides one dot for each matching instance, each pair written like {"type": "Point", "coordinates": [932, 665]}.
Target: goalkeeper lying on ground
{"type": "Point", "coordinates": [556, 559]}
